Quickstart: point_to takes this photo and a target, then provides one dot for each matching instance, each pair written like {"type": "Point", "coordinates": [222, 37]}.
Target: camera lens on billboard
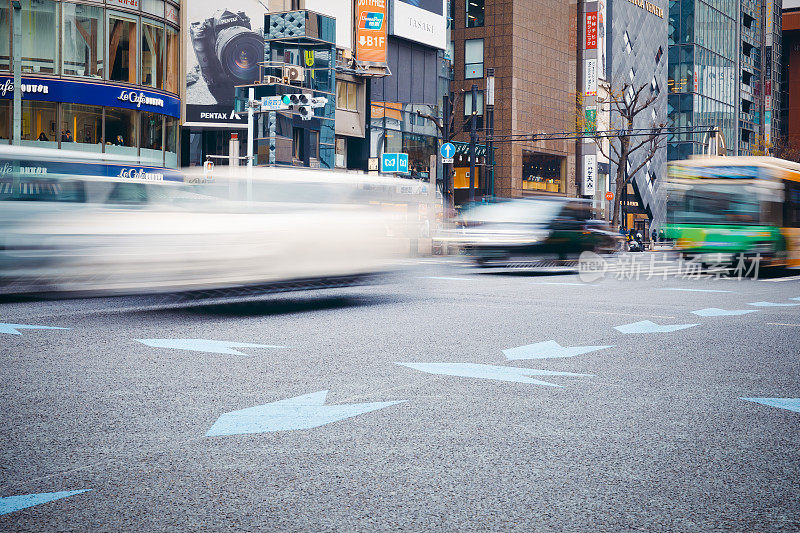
{"type": "Point", "coordinates": [239, 51]}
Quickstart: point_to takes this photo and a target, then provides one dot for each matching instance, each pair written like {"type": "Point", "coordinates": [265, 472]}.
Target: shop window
{"type": "Point", "coordinates": [122, 49]}
{"type": "Point", "coordinates": [5, 35]}
{"type": "Point", "coordinates": [170, 142]}
{"type": "Point", "coordinates": [39, 37]}
{"type": "Point", "coordinates": [81, 127]}
{"type": "Point", "coordinates": [473, 58]}
{"type": "Point", "coordinates": [171, 74]}
{"type": "Point", "coordinates": [419, 148]}
{"type": "Point", "coordinates": [542, 172]}
{"type": "Point", "coordinates": [39, 125]}
{"type": "Point", "coordinates": [151, 139]}
{"type": "Point", "coordinates": [475, 11]}
{"type": "Point", "coordinates": [152, 55]}
{"type": "Point", "coordinates": [121, 131]}
{"type": "Point", "coordinates": [154, 7]}
{"type": "Point", "coordinates": [346, 95]}
{"type": "Point", "coordinates": [83, 43]}
{"type": "Point", "coordinates": [5, 120]}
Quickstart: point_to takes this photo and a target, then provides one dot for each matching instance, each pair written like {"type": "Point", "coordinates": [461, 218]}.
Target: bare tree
{"type": "Point", "coordinates": [625, 103]}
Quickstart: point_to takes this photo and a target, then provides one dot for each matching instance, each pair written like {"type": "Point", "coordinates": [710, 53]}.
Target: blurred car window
{"type": "Point", "coordinates": [516, 211]}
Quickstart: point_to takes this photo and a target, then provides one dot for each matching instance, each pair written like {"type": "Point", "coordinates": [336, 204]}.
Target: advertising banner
{"type": "Point", "coordinates": [591, 30]}
{"type": "Point", "coordinates": [589, 174]}
{"type": "Point", "coordinates": [371, 31]}
{"type": "Point", "coordinates": [423, 21]}
{"type": "Point", "coordinates": [590, 77]}
{"type": "Point", "coordinates": [601, 39]}
{"type": "Point", "coordinates": [223, 48]}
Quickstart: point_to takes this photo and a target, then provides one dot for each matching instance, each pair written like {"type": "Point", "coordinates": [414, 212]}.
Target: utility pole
{"type": "Point", "coordinates": [473, 136]}
{"type": "Point", "coordinates": [16, 44]}
{"type": "Point", "coordinates": [489, 177]}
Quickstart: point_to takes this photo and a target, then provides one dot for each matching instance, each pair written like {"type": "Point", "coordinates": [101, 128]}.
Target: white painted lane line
{"type": "Point", "coordinates": [689, 290]}
{"type": "Point", "coordinates": [782, 324]}
{"type": "Point", "coordinates": [790, 278]}
{"type": "Point", "coordinates": [627, 314]}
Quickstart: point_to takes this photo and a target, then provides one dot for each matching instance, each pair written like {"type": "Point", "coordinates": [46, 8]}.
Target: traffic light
{"type": "Point", "coordinates": [303, 104]}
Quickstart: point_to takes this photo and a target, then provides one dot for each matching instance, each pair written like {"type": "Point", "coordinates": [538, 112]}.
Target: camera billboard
{"type": "Point", "coordinates": [223, 48]}
{"type": "Point", "coordinates": [423, 21]}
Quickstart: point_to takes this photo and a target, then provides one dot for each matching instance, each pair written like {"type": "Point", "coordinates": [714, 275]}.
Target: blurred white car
{"type": "Point", "coordinates": [66, 233]}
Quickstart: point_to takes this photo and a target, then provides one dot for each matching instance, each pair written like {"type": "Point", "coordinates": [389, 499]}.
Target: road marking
{"type": "Point", "coordinates": [792, 404]}
{"type": "Point", "coordinates": [716, 311]}
{"type": "Point", "coordinates": [204, 345]}
{"type": "Point", "coordinates": [446, 277]}
{"type": "Point", "coordinates": [690, 290]}
{"type": "Point", "coordinates": [301, 412]}
{"type": "Point", "coordinates": [790, 278]}
{"type": "Point", "coordinates": [646, 326]}
{"type": "Point", "coordinates": [781, 324]}
{"type": "Point", "coordinates": [14, 329]}
{"type": "Point", "coordinates": [562, 283]}
{"type": "Point", "coordinates": [548, 350]}
{"type": "Point", "coordinates": [770, 304]}
{"type": "Point", "coordinates": [9, 504]}
{"type": "Point", "coordinates": [500, 373]}
{"type": "Point", "coordinates": [626, 314]}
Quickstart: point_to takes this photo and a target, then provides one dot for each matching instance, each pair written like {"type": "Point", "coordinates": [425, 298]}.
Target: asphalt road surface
{"type": "Point", "coordinates": [650, 432]}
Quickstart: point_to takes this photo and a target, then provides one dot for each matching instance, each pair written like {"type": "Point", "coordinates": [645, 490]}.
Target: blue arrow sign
{"type": "Point", "coordinates": [302, 412]}
{"type": "Point", "coordinates": [716, 311]}
{"type": "Point", "coordinates": [548, 350]}
{"type": "Point", "coordinates": [792, 404]}
{"type": "Point", "coordinates": [13, 329]}
{"type": "Point", "coordinates": [9, 504]}
{"type": "Point", "coordinates": [645, 326]}
{"type": "Point", "coordinates": [448, 150]}
{"type": "Point", "coordinates": [770, 304]}
{"type": "Point", "coordinates": [204, 345]}
{"type": "Point", "coordinates": [499, 373]}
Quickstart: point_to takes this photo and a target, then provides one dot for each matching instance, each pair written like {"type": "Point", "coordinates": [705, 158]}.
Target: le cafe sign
{"type": "Point", "coordinates": [136, 98]}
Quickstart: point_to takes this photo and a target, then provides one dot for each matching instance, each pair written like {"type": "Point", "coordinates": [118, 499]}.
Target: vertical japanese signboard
{"type": "Point", "coordinates": [589, 174]}
{"type": "Point", "coordinates": [590, 77]}
{"type": "Point", "coordinates": [371, 31]}
{"type": "Point", "coordinates": [591, 30]}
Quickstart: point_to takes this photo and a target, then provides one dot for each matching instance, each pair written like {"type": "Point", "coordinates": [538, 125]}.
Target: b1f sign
{"type": "Point", "coordinates": [394, 163]}
{"type": "Point", "coordinates": [371, 31]}
{"type": "Point", "coordinates": [589, 174]}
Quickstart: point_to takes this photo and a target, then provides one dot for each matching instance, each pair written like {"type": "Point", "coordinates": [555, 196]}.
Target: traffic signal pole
{"type": "Point", "coordinates": [473, 137]}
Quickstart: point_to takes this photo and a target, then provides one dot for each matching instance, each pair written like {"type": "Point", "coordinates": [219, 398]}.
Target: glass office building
{"type": "Point", "coordinates": [96, 77]}
{"type": "Point", "coordinates": [721, 74]}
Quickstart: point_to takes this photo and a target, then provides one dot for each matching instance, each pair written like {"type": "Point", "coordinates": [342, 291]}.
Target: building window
{"type": "Point", "coordinates": [82, 126]}
{"type": "Point", "coordinates": [122, 49]}
{"type": "Point", "coordinates": [627, 39]}
{"type": "Point", "coordinates": [171, 74]}
{"type": "Point", "coordinates": [542, 172]}
{"type": "Point", "coordinates": [39, 37]}
{"type": "Point", "coordinates": [151, 138]}
{"type": "Point", "coordinates": [152, 55]}
{"type": "Point", "coordinates": [154, 7]}
{"type": "Point", "coordinates": [297, 144]}
{"type": "Point", "coordinates": [39, 124]}
{"type": "Point", "coordinates": [659, 54]}
{"type": "Point", "coordinates": [313, 144]}
{"type": "Point", "coordinates": [631, 75]}
{"type": "Point", "coordinates": [5, 120]}
{"type": "Point", "coordinates": [121, 131]}
{"type": "Point", "coordinates": [171, 142]}
{"type": "Point", "coordinates": [473, 58]}
{"type": "Point", "coordinates": [5, 35]}
{"type": "Point", "coordinates": [83, 42]}
{"type": "Point", "coordinates": [475, 11]}
{"type": "Point", "coordinates": [468, 109]}
{"type": "Point", "coordinates": [654, 86]}
{"type": "Point", "coordinates": [346, 95]}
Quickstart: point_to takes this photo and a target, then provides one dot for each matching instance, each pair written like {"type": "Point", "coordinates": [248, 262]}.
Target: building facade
{"type": "Point", "coordinates": [790, 81]}
{"type": "Point", "coordinates": [637, 58]}
{"type": "Point", "coordinates": [724, 72]}
{"type": "Point", "coordinates": [532, 48]}
{"type": "Point", "coordinates": [96, 77]}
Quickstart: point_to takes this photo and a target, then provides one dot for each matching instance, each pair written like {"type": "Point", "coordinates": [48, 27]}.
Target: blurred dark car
{"type": "Point", "coordinates": [517, 232]}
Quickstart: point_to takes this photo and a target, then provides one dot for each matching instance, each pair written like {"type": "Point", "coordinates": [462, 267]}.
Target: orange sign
{"type": "Point", "coordinates": [609, 196]}
{"type": "Point", "coordinates": [371, 31]}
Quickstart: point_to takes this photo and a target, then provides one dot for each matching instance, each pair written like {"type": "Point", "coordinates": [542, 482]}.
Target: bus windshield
{"type": "Point", "coordinates": [714, 203]}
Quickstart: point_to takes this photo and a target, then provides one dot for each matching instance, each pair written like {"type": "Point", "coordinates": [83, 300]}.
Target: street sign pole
{"type": "Point", "coordinates": [446, 166]}
{"type": "Point", "coordinates": [473, 137]}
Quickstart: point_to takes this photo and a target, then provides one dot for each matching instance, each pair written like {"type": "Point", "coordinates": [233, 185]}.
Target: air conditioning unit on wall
{"type": "Point", "coordinates": [293, 73]}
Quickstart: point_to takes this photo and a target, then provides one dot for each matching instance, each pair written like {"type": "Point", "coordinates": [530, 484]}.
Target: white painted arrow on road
{"type": "Point", "coordinates": [548, 350]}
{"type": "Point", "coordinates": [204, 345]}
{"type": "Point", "coordinates": [13, 329]}
{"type": "Point", "coordinates": [499, 373]}
{"type": "Point", "coordinates": [646, 326]}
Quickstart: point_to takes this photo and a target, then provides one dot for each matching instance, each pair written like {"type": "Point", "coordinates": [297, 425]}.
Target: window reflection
{"type": "Point", "coordinates": [122, 49]}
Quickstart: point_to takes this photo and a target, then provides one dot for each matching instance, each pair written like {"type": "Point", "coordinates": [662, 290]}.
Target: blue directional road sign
{"type": "Point", "coordinates": [394, 163]}
{"type": "Point", "coordinates": [448, 151]}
